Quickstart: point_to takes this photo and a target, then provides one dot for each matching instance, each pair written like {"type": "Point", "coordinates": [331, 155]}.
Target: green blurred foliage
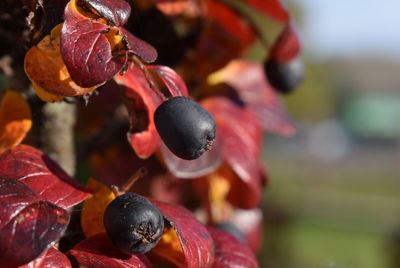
{"type": "Point", "coordinates": [315, 100]}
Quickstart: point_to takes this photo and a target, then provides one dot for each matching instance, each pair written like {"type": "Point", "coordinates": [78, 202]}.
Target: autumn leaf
{"type": "Point", "coordinates": [94, 51]}
{"type": "Point", "coordinates": [141, 102]}
{"type": "Point", "coordinates": [186, 242]}
{"type": "Point", "coordinates": [35, 169]}
{"type": "Point", "coordinates": [241, 137]}
{"type": "Point", "coordinates": [230, 252]}
{"type": "Point", "coordinates": [50, 258]}
{"type": "Point", "coordinates": [28, 223]}
{"type": "Point", "coordinates": [98, 251]}
{"type": "Point", "coordinates": [249, 81]}
{"type": "Point", "coordinates": [15, 120]}
{"type": "Point", "coordinates": [45, 68]}
{"type": "Point", "coordinates": [94, 207]}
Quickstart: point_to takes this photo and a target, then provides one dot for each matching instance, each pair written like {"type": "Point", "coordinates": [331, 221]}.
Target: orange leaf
{"type": "Point", "coordinates": [45, 68]}
{"type": "Point", "coordinates": [15, 120]}
{"type": "Point", "coordinates": [44, 95]}
{"type": "Point", "coordinates": [94, 206]}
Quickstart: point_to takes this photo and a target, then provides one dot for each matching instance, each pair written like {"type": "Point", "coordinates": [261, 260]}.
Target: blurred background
{"type": "Point", "coordinates": [334, 195]}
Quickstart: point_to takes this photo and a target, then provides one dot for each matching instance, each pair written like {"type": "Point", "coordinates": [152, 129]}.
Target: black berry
{"type": "Point", "coordinates": [186, 128]}
{"type": "Point", "coordinates": [284, 76]}
{"type": "Point", "coordinates": [133, 223]}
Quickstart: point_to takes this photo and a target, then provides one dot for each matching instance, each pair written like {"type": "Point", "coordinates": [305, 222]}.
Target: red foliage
{"type": "Point", "coordinates": [28, 224]}
{"type": "Point", "coordinates": [98, 251]}
{"type": "Point", "coordinates": [37, 171]}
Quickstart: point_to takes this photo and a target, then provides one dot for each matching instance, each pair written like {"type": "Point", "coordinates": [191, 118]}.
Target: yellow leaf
{"type": "Point", "coordinates": [15, 120]}
{"type": "Point", "coordinates": [169, 248]}
{"type": "Point", "coordinates": [94, 206]}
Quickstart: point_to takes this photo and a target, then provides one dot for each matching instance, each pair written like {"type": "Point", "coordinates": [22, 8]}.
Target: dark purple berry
{"type": "Point", "coordinates": [133, 223]}
{"type": "Point", "coordinates": [284, 76]}
{"type": "Point", "coordinates": [186, 128]}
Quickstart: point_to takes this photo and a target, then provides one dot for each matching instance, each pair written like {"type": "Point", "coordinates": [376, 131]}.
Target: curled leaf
{"type": "Point", "coordinates": [86, 50]}
{"type": "Point", "coordinates": [141, 102]}
{"type": "Point", "coordinates": [32, 167]}
{"type": "Point", "coordinates": [116, 12]}
{"type": "Point", "coordinates": [174, 83]}
{"type": "Point", "coordinates": [94, 207]}
{"type": "Point", "coordinates": [189, 244]}
{"type": "Point", "coordinates": [15, 120]}
{"type": "Point", "coordinates": [28, 224]}
{"type": "Point", "coordinates": [98, 251]}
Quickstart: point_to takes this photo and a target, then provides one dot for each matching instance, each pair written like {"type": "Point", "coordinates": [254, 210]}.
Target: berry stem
{"type": "Point", "coordinates": [129, 183]}
{"type": "Point", "coordinates": [149, 78]}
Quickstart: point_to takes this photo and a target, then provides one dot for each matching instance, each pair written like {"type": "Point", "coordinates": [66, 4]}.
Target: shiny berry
{"type": "Point", "coordinates": [133, 223]}
{"type": "Point", "coordinates": [186, 128]}
{"type": "Point", "coordinates": [284, 76]}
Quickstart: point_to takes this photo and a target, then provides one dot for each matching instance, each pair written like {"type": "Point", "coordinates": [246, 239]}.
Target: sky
{"type": "Point", "coordinates": [351, 28]}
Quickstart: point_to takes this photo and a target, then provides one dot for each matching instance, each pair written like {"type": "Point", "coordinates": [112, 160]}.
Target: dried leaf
{"type": "Point", "coordinates": [15, 120]}
{"type": "Point", "coordinates": [196, 245]}
{"type": "Point", "coordinates": [28, 224]}
{"type": "Point", "coordinates": [98, 251]}
{"type": "Point", "coordinates": [94, 207]}
{"type": "Point", "coordinates": [32, 167]}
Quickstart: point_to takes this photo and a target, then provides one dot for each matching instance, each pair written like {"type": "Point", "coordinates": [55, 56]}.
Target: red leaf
{"type": "Point", "coordinates": [249, 80]}
{"type": "Point", "coordinates": [86, 51]}
{"type": "Point", "coordinates": [287, 46]}
{"type": "Point", "coordinates": [230, 252]}
{"type": "Point", "coordinates": [98, 251]}
{"type": "Point", "coordinates": [235, 25]}
{"type": "Point", "coordinates": [28, 225]}
{"type": "Point", "coordinates": [215, 48]}
{"type": "Point", "coordinates": [139, 47]}
{"type": "Point", "coordinates": [51, 258]}
{"type": "Point", "coordinates": [141, 102]}
{"type": "Point", "coordinates": [115, 12]}
{"type": "Point", "coordinates": [241, 136]}
{"type": "Point", "coordinates": [36, 170]}
{"type": "Point", "coordinates": [174, 83]}
{"type": "Point", "coordinates": [201, 166]}
{"type": "Point", "coordinates": [196, 242]}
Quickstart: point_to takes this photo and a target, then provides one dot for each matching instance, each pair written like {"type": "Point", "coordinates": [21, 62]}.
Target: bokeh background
{"type": "Point", "coordinates": [334, 195]}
